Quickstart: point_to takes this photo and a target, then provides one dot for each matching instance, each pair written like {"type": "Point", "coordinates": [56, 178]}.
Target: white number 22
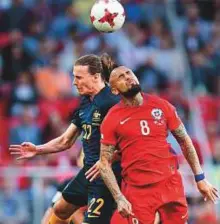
{"type": "Point", "coordinates": [145, 130]}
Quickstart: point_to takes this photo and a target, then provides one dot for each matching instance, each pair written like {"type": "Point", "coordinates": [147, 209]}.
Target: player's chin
{"type": "Point", "coordinates": [80, 92]}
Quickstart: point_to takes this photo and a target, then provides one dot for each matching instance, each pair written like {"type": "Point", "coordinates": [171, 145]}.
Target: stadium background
{"type": "Point", "coordinates": [172, 45]}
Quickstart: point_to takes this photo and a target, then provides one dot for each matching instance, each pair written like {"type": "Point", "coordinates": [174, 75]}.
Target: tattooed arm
{"type": "Point", "coordinates": [188, 149]}
{"type": "Point", "coordinates": [205, 188]}
{"type": "Point", "coordinates": [106, 157]}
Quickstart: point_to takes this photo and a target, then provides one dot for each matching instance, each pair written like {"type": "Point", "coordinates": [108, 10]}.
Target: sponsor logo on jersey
{"type": "Point", "coordinates": [157, 114]}
{"type": "Point", "coordinates": [124, 121]}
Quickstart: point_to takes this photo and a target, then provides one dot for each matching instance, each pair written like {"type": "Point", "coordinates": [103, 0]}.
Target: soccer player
{"type": "Point", "coordinates": [138, 126]}
{"type": "Point", "coordinates": [76, 218]}
{"type": "Point", "coordinates": [90, 75]}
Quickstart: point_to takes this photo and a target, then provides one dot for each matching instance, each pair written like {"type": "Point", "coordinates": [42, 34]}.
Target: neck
{"type": "Point", "coordinates": [136, 100]}
{"type": "Point", "coordinates": [97, 89]}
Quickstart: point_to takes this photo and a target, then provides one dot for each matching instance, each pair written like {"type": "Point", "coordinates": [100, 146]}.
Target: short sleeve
{"type": "Point", "coordinates": [173, 120]}
{"type": "Point", "coordinates": [108, 131]}
{"type": "Point", "coordinates": [76, 119]}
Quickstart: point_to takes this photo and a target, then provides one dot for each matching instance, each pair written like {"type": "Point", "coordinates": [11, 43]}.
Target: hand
{"type": "Point", "coordinates": [208, 191]}
{"type": "Point", "coordinates": [124, 206]}
{"type": "Point", "coordinates": [26, 150]}
{"type": "Point", "coordinates": [93, 172]}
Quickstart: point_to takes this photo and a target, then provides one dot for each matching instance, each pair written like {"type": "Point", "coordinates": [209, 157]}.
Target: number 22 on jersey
{"type": "Point", "coordinates": [87, 128]}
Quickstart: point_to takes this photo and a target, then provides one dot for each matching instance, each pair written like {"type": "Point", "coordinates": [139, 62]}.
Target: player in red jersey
{"type": "Point", "coordinates": [138, 127]}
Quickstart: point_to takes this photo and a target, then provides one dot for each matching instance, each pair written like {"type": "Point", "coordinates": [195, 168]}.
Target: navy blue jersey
{"type": "Point", "coordinates": [88, 118]}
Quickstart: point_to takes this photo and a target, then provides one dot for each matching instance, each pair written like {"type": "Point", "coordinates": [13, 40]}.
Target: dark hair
{"type": "Point", "coordinates": [103, 64]}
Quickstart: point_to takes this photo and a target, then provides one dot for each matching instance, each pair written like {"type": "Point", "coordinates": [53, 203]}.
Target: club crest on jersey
{"type": "Point", "coordinates": [96, 117]}
{"type": "Point", "coordinates": [157, 114]}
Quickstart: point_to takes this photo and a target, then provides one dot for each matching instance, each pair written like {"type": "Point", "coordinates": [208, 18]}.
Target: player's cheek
{"type": "Point", "coordinates": [122, 87]}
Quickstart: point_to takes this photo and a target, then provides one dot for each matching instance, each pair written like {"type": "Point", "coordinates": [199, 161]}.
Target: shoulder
{"type": "Point", "coordinates": [108, 99]}
{"type": "Point", "coordinates": [111, 118]}
{"type": "Point", "coordinates": [113, 114]}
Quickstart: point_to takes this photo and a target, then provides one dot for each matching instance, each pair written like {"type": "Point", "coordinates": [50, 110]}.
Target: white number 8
{"type": "Point", "coordinates": [145, 130]}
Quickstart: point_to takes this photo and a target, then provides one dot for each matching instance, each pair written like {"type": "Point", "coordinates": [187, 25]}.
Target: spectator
{"type": "Point", "coordinates": [55, 126]}
{"type": "Point", "coordinates": [15, 60]}
{"type": "Point", "coordinates": [27, 130]}
{"type": "Point", "coordinates": [151, 78]}
{"type": "Point", "coordinates": [157, 32]}
{"type": "Point", "coordinates": [32, 39]}
{"type": "Point", "coordinates": [24, 94]}
{"type": "Point", "coordinates": [213, 61]}
{"type": "Point", "coordinates": [16, 17]}
{"type": "Point", "coordinates": [43, 12]}
{"type": "Point", "coordinates": [202, 70]}
{"type": "Point", "coordinates": [52, 83]}
{"type": "Point", "coordinates": [14, 206]}
{"type": "Point", "coordinates": [192, 16]}
{"type": "Point", "coordinates": [45, 51]}
{"type": "Point", "coordinates": [192, 39]}
{"type": "Point", "coordinates": [61, 24]}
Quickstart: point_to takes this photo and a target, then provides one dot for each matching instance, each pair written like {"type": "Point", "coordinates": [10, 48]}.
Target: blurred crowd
{"type": "Point", "coordinates": [41, 39]}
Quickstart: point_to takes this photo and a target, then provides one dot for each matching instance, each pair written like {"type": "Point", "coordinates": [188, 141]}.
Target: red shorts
{"type": "Point", "coordinates": [167, 197]}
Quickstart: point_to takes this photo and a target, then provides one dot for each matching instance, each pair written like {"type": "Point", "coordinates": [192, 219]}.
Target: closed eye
{"type": "Point", "coordinates": [77, 77]}
{"type": "Point", "coordinates": [121, 76]}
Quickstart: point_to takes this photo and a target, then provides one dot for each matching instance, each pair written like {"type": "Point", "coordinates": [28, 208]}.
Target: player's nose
{"type": "Point", "coordinates": [129, 79]}
{"type": "Point", "coordinates": [74, 83]}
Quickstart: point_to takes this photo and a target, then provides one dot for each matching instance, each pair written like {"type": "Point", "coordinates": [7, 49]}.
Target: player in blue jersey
{"type": "Point", "coordinates": [90, 76]}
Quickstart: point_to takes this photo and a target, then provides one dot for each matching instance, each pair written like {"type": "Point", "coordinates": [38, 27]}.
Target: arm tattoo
{"type": "Point", "coordinates": [107, 152]}
{"type": "Point", "coordinates": [188, 149]}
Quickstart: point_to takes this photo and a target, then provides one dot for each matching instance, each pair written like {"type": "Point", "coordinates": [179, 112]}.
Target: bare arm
{"type": "Point", "coordinates": [28, 150]}
{"type": "Point", "coordinates": [188, 149]}
{"type": "Point", "coordinates": [205, 188]}
{"type": "Point", "coordinates": [61, 143]}
{"type": "Point", "coordinates": [106, 157]}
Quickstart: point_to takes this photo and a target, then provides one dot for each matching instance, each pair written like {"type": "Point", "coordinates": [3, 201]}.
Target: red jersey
{"type": "Point", "coordinates": [140, 133]}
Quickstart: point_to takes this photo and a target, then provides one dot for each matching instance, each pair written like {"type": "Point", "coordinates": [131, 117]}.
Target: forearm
{"type": "Point", "coordinates": [106, 158]}
{"type": "Point", "coordinates": [110, 181]}
{"type": "Point", "coordinates": [61, 143]}
{"type": "Point", "coordinates": [188, 149]}
{"type": "Point", "coordinates": [191, 156]}
{"type": "Point", "coordinates": [53, 146]}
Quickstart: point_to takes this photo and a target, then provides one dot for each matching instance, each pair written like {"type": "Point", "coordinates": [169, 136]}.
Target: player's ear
{"type": "Point", "coordinates": [114, 91]}
{"type": "Point", "coordinates": [97, 76]}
